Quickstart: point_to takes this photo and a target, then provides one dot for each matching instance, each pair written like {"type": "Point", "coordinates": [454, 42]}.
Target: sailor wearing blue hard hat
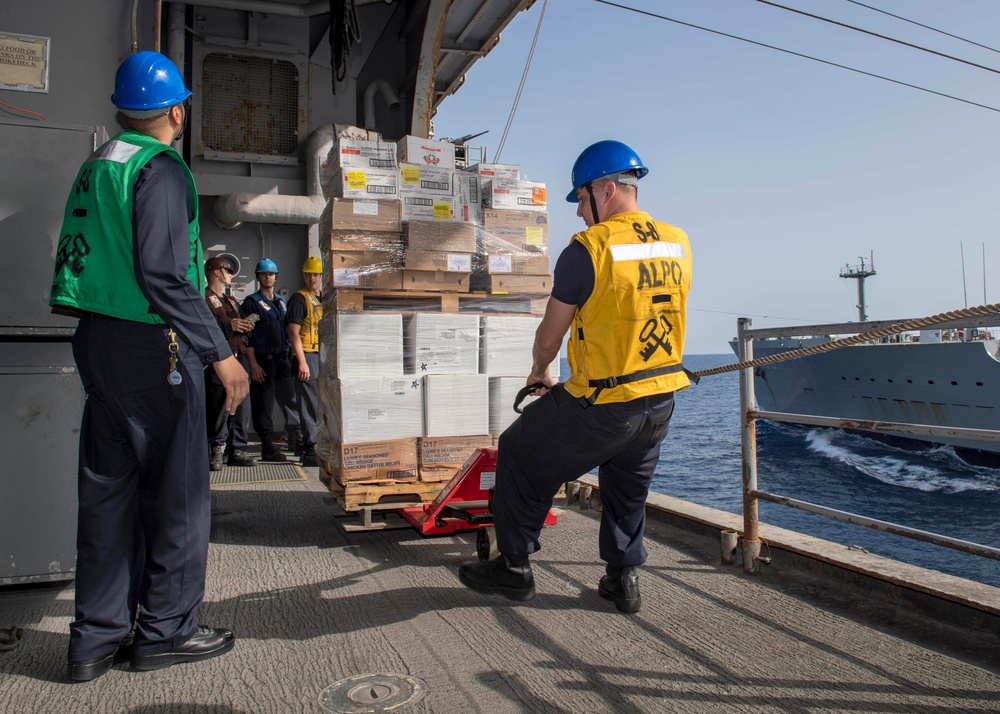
{"type": "Point", "coordinates": [130, 266]}
{"type": "Point", "coordinates": [620, 290]}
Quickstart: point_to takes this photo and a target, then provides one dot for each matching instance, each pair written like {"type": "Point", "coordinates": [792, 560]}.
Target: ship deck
{"type": "Point", "coordinates": [313, 605]}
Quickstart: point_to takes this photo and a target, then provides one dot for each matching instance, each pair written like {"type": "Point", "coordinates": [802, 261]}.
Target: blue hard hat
{"type": "Point", "coordinates": [266, 266]}
{"type": "Point", "coordinates": [148, 80]}
{"type": "Point", "coordinates": [603, 159]}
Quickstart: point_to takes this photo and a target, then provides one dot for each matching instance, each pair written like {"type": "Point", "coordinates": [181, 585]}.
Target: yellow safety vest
{"type": "Point", "coordinates": [628, 338]}
{"type": "Point", "coordinates": [310, 325]}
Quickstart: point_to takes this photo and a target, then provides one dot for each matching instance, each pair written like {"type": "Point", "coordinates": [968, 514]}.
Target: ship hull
{"type": "Point", "coordinates": [934, 384]}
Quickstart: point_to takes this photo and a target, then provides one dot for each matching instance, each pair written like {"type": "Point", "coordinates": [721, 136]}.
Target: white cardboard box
{"type": "Point", "coordinates": [504, 171]}
{"type": "Point", "coordinates": [514, 195]}
{"type": "Point", "coordinates": [441, 344]}
{"type": "Point", "coordinates": [428, 207]}
{"type": "Point", "coordinates": [380, 184]}
{"type": "Point", "coordinates": [456, 404]}
{"type": "Point", "coordinates": [357, 154]}
{"type": "Point", "coordinates": [426, 180]}
{"type": "Point", "coordinates": [378, 408]}
{"type": "Point", "coordinates": [505, 346]}
{"type": "Point", "coordinates": [363, 344]}
{"type": "Point", "coordinates": [503, 392]}
{"type": "Point", "coordinates": [427, 152]}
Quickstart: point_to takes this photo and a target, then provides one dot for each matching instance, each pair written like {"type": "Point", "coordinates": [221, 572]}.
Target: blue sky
{"type": "Point", "coordinates": [781, 170]}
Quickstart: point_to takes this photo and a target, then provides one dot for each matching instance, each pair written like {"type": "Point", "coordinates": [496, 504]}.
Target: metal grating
{"type": "Point", "coordinates": [250, 104]}
{"type": "Point", "coordinates": [261, 473]}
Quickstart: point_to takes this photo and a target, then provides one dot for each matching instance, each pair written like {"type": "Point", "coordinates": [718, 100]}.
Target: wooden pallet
{"type": "Point", "coordinates": [394, 494]}
{"type": "Point", "coordinates": [406, 301]}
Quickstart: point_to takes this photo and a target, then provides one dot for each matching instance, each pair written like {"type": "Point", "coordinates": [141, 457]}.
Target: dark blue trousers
{"type": "Point", "coordinates": [224, 429]}
{"type": "Point", "coordinates": [307, 397]}
{"type": "Point", "coordinates": [145, 506]}
{"type": "Point", "coordinates": [557, 440]}
{"type": "Point", "coordinates": [277, 386]}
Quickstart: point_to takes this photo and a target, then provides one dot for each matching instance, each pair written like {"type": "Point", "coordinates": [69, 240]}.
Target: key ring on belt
{"type": "Point", "coordinates": [173, 376]}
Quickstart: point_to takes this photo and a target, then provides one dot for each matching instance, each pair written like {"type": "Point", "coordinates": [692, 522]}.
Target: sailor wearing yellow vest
{"type": "Point", "coordinates": [129, 265]}
{"type": "Point", "coordinates": [620, 288]}
{"type": "Point", "coordinates": [305, 309]}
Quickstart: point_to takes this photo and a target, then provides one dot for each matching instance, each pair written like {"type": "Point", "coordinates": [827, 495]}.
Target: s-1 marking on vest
{"type": "Point", "coordinates": [653, 340]}
{"type": "Point", "coordinates": [654, 273]}
{"type": "Point", "coordinates": [648, 234]}
{"type": "Point", "coordinates": [72, 247]}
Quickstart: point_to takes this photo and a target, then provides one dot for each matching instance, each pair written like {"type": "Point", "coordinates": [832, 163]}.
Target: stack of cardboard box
{"type": "Point", "coordinates": [408, 396]}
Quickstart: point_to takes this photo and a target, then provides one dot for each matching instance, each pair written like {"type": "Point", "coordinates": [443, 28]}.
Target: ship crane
{"type": "Point", "coordinates": [859, 273]}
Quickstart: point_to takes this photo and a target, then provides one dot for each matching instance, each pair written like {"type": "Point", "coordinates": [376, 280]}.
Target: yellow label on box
{"type": "Point", "coordinates": [357, 179]}
{"type": "Point", "coordinates": [411, 175]}
{"type": "Point", "coordinates": [534, 235]}
{"type": "Point", "coordinates": [442, 211]}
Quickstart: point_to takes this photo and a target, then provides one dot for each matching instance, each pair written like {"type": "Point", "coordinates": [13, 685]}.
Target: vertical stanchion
{"type": "Point", "coordinates": [748, 439]}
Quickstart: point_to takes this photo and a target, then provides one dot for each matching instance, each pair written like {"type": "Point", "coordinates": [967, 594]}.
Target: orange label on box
{"type": "Point", "coordinates": [538, 195]}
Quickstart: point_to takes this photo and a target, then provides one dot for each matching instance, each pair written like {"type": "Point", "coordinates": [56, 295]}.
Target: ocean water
{"type": "Point", "coordinates": [931, 490]}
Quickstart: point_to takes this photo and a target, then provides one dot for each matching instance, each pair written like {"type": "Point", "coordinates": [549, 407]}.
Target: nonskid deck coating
{"type": "Point", "coordinates": [311, 605]}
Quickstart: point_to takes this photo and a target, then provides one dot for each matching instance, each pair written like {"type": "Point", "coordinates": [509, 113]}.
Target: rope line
{"type": "Point", "coordinates": [894, 329]}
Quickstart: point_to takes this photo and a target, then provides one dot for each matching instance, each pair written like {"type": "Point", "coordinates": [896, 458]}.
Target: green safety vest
{"type": "Point", "coordinates": [93, 268]}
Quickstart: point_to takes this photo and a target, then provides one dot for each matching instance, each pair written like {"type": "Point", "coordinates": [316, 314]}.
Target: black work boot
{"type": "Point", "coordinates": [215, 457]}
{"type": "Point", "coordinates": [240, 457]}
{"type": "Point", "coordinates": [269, 452]}
{"type": "Point", "coordinates": [295, 440]}
{"type": "Point", "coordinates": [504, 575]}
{"type": "Point", "coordinates": [309, 456]}
{"type": "Point", "coordinates": [622, 586]}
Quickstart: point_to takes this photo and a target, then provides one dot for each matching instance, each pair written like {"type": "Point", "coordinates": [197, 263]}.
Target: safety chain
{"type": "Point", "coordinates": [894, 329]}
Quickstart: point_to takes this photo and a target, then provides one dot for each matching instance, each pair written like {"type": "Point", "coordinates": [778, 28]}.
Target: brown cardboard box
{"type": "Point", "coordinates": [436, 280]}
{"type": "Point", "coordinates": [357, 240]}
{"type": "Point", "coordinates": [362, 269]}
{"type": "Point", "coordinates": [348, 214]}
{"type": "Point", "coordinates": [516, 231]}
{"type": "Point", "coordinates": [439, 459]}
{"type": "Point", "coordinates": [373, 461]}
{"type": "Point", "coordinates": [516, 264]}
{"type": "Point", "coordinates": [502, 284]}
{"type": "Point", "coordinates": [437, 260]}
{"type": "Point", "coordinates": [451, 237]}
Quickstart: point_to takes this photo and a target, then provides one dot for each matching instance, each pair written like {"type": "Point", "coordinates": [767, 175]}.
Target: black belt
{"type": "Point", "coordinates": [607, 383]}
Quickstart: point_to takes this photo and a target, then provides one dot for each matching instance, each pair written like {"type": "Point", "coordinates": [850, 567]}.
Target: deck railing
{"type": "Point", "coordinates": [748, 434]}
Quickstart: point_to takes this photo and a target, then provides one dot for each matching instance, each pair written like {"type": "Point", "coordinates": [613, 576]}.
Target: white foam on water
{"type": "Point", "coordinates": [899, 468]}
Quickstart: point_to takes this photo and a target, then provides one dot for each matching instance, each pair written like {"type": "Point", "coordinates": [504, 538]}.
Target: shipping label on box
{"type": "Point", "coordinates": [511, 172]}
{"type": "Point", "coordinates": [382, 184]}
{"type": "Point", "coordinates": [437, 260]}
{"type": "Point", "coordinates": [439, 458]}
{"type": "Point", "coordinates": [514, 195]}
{"type": "Point", "coordinates": [426, 180]}
{"type": "Point", "coordinates": [420, 207]}
{"type": "Point", "coordinates": [436, 281]}
{"type": "Point", "coordinates": [453, 237]}
{"type": "Point", "coordinates": [355, 154]}
{"type": "Point", "coordinates": [518, 264]}
{"type": "Point", "coordinates": [426, 152]}
{"type": "Point", "coordinates": [349, 214]}
{"type": "Point", "coordinates": [394, 459]}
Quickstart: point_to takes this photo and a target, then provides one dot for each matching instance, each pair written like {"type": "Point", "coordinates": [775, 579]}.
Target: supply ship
{"type": "Point", "coordinates": [943, 378]}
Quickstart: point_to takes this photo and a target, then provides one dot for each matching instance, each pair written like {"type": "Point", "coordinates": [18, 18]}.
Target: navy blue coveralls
{"type": "Point", "coordinates": [271, 346]}
{"type": "Point", "coordinates": [145, 508]}
{"type": "Point", "coordinates": [557, 439]}
{"type": "Point", "coordinates": [306, 393]}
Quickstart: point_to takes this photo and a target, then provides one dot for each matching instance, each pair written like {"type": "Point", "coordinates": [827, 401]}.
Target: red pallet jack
{"type": "Point", "coordinates": [464, 504]}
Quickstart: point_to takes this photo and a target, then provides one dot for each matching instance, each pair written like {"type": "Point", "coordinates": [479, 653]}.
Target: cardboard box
{"type": "Point", "coordinates": [448, 237]}
{"type": "Point", "coordinates": [505, 346]}
{"type": "Point", "coordinates": [394, 459]}
{"type": "Point", "coordinates": [456, 404]}
{"type": "Point", "coordinates": [361, 269]}
{"type": "Point", "coordinates": [435, 343]}
{"type": "Point", "coordinates": [357, 154]}
{"type": "Point", "coordinates": [374, 408]}
{"type": "Point", "coordinates": [468, 213]}
{"type": "Point", "coordinates": [503, 392]}
{"type": "Point", "coordinates": [439, 458]}
{"type": "Point", "coordinates": [512, 263]}
{"type": "Point", "coordinates": [500, 284]}
{"type": "Point", "coordinates": [423, 207]}
{"type": "Point", "coordinates": [468, 188]}
{"type": "Point", "coordinates": [436, 281]}
{"type": "Point", "coordinates": [437, 260]}
{"type": "Point", "coordinates": [363, 344]}
{"type": "Point", "coordinates": [426, 180]}
{"type": "Point", "coordinates": [426, 152]}
{"type": "Point", "coordinates": [361, 215]}
{"type": "Point", "coordinates": [515, 231]}
{"type": "Point", "coordinates": [361, 241]}
{"type": "Point", "coordinates": [514, 195]}
{"type": "Point", "coordinates": [381, 184]}
{"type": "Point", "coordinates": [511, 172]}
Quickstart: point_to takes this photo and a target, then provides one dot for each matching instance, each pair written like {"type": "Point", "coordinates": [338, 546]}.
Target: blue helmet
{"type": "Point", "coordinates": [266, 266]}
{"type": "Point", "coordinates": [603, 159]}
{"type": "Point", "coordinates": [148, 81]}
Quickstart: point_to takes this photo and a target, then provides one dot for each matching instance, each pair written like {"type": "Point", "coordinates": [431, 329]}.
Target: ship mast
{"type": "Point", "coordinates": [859, 273]}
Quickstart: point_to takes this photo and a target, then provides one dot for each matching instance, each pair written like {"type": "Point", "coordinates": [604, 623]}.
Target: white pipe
{"type": "Point", "coordinates": [388, 94]}
{"type": "Point", "coordinates": [234, 208]}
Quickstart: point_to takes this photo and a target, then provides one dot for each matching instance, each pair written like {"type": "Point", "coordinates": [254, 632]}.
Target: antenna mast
{"type": "Point", "coordinates": [859, 273]}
